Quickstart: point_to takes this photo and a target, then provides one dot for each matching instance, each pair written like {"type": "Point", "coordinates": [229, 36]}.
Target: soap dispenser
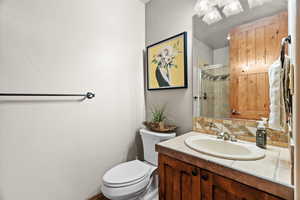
{"type": "Point", "coordinates": [261, 134]}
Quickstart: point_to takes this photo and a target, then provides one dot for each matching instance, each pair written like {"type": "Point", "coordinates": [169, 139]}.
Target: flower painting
{"type": "Point", "coordinates": [167, 63]}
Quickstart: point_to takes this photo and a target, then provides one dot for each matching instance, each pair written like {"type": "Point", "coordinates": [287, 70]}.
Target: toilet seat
{"type": "Point", "coordinates": [126, 180]}
{"type": "Point", "coordinates": [126, 174]}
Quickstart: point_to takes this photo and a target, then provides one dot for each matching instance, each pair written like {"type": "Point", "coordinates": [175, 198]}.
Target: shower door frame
{"type": "Point", "coordinates": [200, 95]}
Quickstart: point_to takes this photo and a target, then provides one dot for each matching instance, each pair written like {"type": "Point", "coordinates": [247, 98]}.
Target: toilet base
{"type": "Point", "coordinates": [147, 193]}
{"type": "Point", "coordinates": [152, 191]}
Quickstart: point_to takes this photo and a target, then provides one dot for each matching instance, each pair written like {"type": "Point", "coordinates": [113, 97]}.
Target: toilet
{"type": "Point", "coordinates": [134, 179]}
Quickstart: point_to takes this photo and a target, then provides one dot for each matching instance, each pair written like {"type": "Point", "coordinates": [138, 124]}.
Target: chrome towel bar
{"type": "Point", "coordinates": [88, 95]}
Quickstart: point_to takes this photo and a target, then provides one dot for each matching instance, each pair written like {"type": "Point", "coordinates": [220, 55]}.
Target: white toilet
{"type": "Point", "coordinates": [131, 180]}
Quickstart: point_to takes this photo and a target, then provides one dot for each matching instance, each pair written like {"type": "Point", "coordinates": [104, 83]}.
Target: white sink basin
{"type": "Point", "coordinates": [224, 149]}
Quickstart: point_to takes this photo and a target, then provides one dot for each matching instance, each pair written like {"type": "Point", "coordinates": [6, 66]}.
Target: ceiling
{"type": "Point", "coordinates": [215, 35]}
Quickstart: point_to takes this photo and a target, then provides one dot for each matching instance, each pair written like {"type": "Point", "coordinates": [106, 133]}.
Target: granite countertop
{"type": "Point", "coordinates": [274, 167]}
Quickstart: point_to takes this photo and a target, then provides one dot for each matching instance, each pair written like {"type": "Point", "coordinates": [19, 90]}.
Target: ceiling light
{"type": "Point", "coordinates": [245, 68]}
{"type": "Point", "coordinates": [215, 2]}
{"type": "Point", "coordinates": [204, 6]}
{"type": "Point", "coordinates": [256, 3]}
{"type": "Point", "coordinates": [222, 3]}
{"type": "Point", "coordinates": [228, 37]}
{"type": "Point", "coordinates": [233, 8]}
{"type": "Point", "coordinates": [212, 16]}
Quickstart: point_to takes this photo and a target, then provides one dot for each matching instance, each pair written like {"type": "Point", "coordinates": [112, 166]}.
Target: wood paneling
{"type": "Point", "coordinates": [259, 46]}
{"type": "Point", "coordinates": [253, 48]}
{"type": "Point", "coordinates": [272, 42]}
{"type": "Point", "coordinates": [251, 53]}
{"type": "Point", "coordinates": [242, 93]}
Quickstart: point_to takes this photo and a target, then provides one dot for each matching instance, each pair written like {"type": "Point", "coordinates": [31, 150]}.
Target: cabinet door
{"type": "Point", "coordinates": [178, 180]}
{"type": "Point", "coordinates": [215, 187]}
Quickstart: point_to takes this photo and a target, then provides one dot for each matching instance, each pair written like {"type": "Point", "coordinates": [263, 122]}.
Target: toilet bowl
{"type": "Point", "coordinates": [127, 180]}
{"type": "Point", "coordinates": [132, 180]}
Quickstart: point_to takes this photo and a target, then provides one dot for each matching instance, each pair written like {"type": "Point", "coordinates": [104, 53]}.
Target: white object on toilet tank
{"type": "Point", "coordinates": [151, 138]}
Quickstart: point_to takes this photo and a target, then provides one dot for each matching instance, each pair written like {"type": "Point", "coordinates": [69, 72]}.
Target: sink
{"type": "Point", "coordinates": [224, 149]}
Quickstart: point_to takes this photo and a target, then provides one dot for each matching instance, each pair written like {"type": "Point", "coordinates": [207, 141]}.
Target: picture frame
{"type": "Point", "coordinates": [167, 63]}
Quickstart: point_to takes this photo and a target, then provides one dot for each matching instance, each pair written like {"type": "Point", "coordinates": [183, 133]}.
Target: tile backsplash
{"type": "Point", "coordinates": [242, 129]}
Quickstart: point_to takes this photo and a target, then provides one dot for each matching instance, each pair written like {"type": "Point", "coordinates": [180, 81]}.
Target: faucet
{"type": "Point", "coordinates": [224, 135]}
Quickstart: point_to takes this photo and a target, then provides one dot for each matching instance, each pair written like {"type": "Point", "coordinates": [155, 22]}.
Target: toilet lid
{"type": "Point", "coordinates": [126, 173]}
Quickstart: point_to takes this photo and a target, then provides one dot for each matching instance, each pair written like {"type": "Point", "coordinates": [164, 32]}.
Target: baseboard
{"type": "Point", "coordinates": [98, 197]}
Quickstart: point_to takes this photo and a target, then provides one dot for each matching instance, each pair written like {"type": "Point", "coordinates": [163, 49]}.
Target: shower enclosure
{"type": "Point", "coordinates": [213, 94]}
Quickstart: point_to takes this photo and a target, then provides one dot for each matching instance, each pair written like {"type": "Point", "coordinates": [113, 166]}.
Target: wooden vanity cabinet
{"type": "Point", "coordinates": [215, 187]}
{"type": "Point", "coordinates": [182, 181]}
{"type": "Point", "coordinates": [178, 180]}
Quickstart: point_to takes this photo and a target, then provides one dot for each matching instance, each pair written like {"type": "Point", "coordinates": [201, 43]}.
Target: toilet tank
{"type": "Point", "coordinates": [151, 138]}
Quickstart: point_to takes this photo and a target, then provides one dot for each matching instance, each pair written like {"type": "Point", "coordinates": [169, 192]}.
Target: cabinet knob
{"type": "Point", "coordinates": [235, 112]}
{"type": "Point", "coordinates": [195, 172]}
{"type": "Point", "coordinates": [204, 177]}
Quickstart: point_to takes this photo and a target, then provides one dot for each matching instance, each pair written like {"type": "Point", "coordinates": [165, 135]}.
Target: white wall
{"type": "Point", "coordinates": [221, 56]}
{"type": "Point", "coordinates": [59, 150]}
{"type": "Point", "coordinates": [202, 54]}
{"type": "Point", "coordinates": [165, 18]}
{"type": "Point", "coordinates": [294, 30]}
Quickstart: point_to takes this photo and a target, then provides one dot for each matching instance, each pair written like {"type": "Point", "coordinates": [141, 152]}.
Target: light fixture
{"type": "Point", "coordinates": [245, 68]}
{"type": "Point", "coordinates": [203, 6]}
{"type": "Point", "coordinates": [208, 9]}
{"type": "Point", "coordinates": [228, 37]}
{"type": "Point", "coordinates": [212, 16]}
{"type": "Point", "coordinates": [233, 8]}
{"type": "Point", "coordinates": [256, 3]}
{"type": "Point", "coordinates": [222, 3]}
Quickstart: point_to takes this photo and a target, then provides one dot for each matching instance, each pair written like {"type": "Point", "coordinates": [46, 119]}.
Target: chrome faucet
{"type": "Point", "coordinates": [224, 135]}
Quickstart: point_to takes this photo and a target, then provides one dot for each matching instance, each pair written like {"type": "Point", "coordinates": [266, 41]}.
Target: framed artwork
{"type": "Point", "coordinates": [167, 63]}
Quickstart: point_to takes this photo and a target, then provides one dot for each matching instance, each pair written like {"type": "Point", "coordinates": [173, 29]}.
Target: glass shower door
{"type": "Point", "coordinates": [214, 91]}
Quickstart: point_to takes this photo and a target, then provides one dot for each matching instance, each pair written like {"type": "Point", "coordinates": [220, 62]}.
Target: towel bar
{"type": "Point", "coordinates": [88, 95]}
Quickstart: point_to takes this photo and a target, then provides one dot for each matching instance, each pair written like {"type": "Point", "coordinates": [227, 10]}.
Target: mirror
{"type": "Point", "coordinates": [232, 56]}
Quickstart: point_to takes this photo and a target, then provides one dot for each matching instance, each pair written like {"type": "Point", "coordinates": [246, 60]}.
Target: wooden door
{"type": "Point", "coordinates": [215, 187]}
{"type": "Point", "coordinates": [253, 48]}
{"type": "Point", "coordinates": [178, 180]}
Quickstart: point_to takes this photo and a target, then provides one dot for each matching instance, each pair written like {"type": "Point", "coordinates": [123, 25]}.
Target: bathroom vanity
{"type": "Point", "coordinates": [187, 174]}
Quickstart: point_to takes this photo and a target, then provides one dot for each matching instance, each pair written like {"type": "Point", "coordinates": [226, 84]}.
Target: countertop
{"type": "Point", "coordinates": [274, 167]}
